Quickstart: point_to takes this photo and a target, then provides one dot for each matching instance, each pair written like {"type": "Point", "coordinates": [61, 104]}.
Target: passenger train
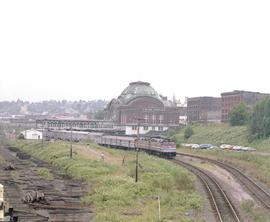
{"type": "Point", "coordinates": [156, 146]}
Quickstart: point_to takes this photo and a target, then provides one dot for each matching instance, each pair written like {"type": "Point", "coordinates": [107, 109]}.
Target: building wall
{"type": "Point", "coordinates": [132, 130]}
{"type": "Point", "coordinates": [147, 108]}
{"type": "Point", "coordinates": [204, 109]}
{"type": "Point", "coordinates": [151, 110]}
{"type": "Point", "coordinates": [231, 99]}
{"type": "Point", "coordinates": [32, 135]}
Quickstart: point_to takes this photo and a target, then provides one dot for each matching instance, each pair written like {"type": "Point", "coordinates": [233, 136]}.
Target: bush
{"type": "Point", "coordinates": [188, 132]}
{"type": "Point", "coordinates": [21, 136]}
{"type": "Point", "coordinates": [239, 115]}
{"type": "Point", "coordinates": [260, 120]}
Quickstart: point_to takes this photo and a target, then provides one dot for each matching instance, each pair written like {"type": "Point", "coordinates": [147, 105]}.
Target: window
{"type": "Point", "coordinates": [160, 128]}
{"type": "Point", "coordinates": [134, 127]}
{"type": "Point", "coordinates": [145, 128]}
{"type": "Point", "coordinates": [153, 128]}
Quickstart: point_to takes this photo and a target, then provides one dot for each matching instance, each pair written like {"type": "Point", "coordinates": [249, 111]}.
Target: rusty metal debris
{"type": "Point", "coordinates": [10, 166]}
{"type": "Point", "coordinates": [34, 197]}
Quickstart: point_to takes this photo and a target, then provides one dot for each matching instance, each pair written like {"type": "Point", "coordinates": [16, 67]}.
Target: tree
{"type": "Point", "coordinates": [260, 119]}
{"type": "Point", "coordinates": [188, 132]}
{"type": "Point", "coordinates": [239, 115]}
{"type": "Point", "coordinates": [99, 115]}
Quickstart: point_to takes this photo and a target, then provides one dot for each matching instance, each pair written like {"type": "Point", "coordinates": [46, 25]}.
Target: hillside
{"type": "Point", "coordinates": [51, 107]}
{"type": "Point", "coordinates": [217, 134]}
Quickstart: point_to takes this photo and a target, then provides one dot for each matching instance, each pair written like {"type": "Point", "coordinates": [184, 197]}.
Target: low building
{"type": "Point", "coordinates": [234, 98]}
{"type": "Point", "coordinates": [31, 134]}
{"type": "Point", "coordinates": [204, 109]}
{"type": "Point", "coordinates": [145, 128]}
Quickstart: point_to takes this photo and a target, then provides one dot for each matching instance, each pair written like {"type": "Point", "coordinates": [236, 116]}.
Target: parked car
{"type": "Point", "coordinates": [226, 146]}
{"type": "Point", "coordinates": [195, 146]}
{"type": "Point", "coordinates": [206, 146]}
{"type": "Point", "coordinates": [237, 148]}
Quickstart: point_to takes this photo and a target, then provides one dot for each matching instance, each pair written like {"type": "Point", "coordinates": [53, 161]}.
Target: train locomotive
{"type": "Point", "coordinates": [156, 146]}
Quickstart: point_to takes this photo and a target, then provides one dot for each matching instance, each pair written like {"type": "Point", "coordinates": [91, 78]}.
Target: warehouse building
{"type": "Point", "coordinates": [204, 109]}
{"type": "Point", "coordinates": [234, 98]}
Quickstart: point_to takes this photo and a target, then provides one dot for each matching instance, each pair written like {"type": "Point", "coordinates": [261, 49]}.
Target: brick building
{"type": "Point", "coordinates": [234, 98]}
{"type": "Point", "coordinates": [204, 109]}
{"type": "Point", "coordinates": [140, 100]}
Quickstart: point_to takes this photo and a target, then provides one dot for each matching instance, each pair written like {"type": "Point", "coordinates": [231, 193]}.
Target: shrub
{"type": "Point", "coordinates": [239, 115]}
{"type": "Point", "coordinates": [188, 132]}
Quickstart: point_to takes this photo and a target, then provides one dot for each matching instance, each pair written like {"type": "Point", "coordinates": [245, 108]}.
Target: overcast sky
{"type": "Point", "coordinates": [92, 49]}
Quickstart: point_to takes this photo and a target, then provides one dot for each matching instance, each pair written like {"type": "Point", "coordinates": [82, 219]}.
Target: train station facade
{"type": "Point", "coordinates": [139, 102]}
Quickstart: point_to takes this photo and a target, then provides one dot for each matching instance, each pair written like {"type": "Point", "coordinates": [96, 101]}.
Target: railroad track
{"type": "Point", "coordinates": [220, 203]}
{"type": "Point", "coordinates": [63, 194]}
{"type": "Point", "coordinates": [259, 193]}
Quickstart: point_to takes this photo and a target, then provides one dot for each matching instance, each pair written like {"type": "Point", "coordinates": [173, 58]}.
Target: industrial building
{"type": "Point", "coordinates": [204, 109]}
{"type": "Point", "coordinates": [234, 98]}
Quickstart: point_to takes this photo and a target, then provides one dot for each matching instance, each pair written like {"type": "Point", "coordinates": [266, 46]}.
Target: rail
{"type": "Point", "coordinates": [254, 188]}
{"type": "Point", "coordinates": [220, 202]}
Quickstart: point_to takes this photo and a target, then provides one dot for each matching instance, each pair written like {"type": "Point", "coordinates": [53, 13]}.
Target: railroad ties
{"type": "Point", "coordinates": [256, 190]}
{"type": "Point", "coordinates": [36, 199]}
{"type": "Point", "coordinates": [221, 204]}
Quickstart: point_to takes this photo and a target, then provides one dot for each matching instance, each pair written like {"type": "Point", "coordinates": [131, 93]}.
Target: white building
{"type": "Point", "coordinates": [132, 129]}
{"type": "Point", "coordinates": [32, 134]}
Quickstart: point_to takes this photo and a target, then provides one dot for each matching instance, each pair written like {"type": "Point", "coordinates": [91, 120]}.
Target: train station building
{"type": "Point", "coordinates": [139, 102]}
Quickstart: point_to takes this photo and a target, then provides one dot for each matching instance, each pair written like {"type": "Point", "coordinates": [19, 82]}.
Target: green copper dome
{"type": "Point", "coordinates": [138, 89]}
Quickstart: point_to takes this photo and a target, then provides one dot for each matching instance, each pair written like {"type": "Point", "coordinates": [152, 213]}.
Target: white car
{"type": "Point", "coordinates": [237, 148]}
{"type": "Point", "coordinates": [226, 146]}
{"type": "Point", "coordinates": [195, 146]}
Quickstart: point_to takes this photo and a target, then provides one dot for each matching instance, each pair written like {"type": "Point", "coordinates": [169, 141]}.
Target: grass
{"type": "Point", "coordinates": [113, 194]}
{"type": "Point", "coordinates": [218, 134]}
{"type": "Point", "coordinates": [250, 208]}
{"type": "Point", "coordinates": [256, 164]}
{"type": "Point", "coordinates": [45, 173]}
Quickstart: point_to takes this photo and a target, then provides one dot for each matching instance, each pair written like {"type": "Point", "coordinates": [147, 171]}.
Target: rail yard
{"type": "Point", "coordinates": [61, 196]}
{"type": "Point", "coordinates": [59, 199]}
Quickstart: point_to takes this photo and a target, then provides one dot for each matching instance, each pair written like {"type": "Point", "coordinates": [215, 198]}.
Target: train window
{"type": "Point", "coordinates": [145, 128]}
{"type": "Point", "coordinates": [134, 127]}
{"type": "Point", "coordinates": [160, 128]}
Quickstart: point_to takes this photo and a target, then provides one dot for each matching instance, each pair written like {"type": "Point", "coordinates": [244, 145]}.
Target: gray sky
{"type": "Point", "coordinates": [92, 49]}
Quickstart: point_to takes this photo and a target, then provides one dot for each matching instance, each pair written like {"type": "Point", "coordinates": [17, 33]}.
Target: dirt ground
{"type": "Point", "coordinates": [62, 194]}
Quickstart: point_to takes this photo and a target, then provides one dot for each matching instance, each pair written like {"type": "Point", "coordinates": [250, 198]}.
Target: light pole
{"type": "Point", "coordinates": [70, 155]}
{"type": "Point", "coordinates": [42, 135]}
{"type": "Point", "coordinates": [137, 149]}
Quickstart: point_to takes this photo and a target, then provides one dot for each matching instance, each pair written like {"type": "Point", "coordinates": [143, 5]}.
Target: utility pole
{"type": "Point", "coordinates": [70, 155]}
{"type": "Point", "coordinates": [137, 149]}
{"type": "Point", "coordinates": [42, 135]}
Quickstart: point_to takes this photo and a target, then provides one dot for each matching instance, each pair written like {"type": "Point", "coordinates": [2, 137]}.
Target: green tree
{"type": "Point", "coordinates": [99, 115]}
{"type": "Point", "coordinates": [239, 115]}
{"type": "Point", "coordinates": [260, 119]}
{"type": "Point", "coordinates": [188, 132]}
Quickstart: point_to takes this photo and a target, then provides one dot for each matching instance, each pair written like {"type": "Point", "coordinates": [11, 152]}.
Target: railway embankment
{"type": "Point", "coordinates": [256, 164]}
{"type": "Point", "coordinates": [113, 195]}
